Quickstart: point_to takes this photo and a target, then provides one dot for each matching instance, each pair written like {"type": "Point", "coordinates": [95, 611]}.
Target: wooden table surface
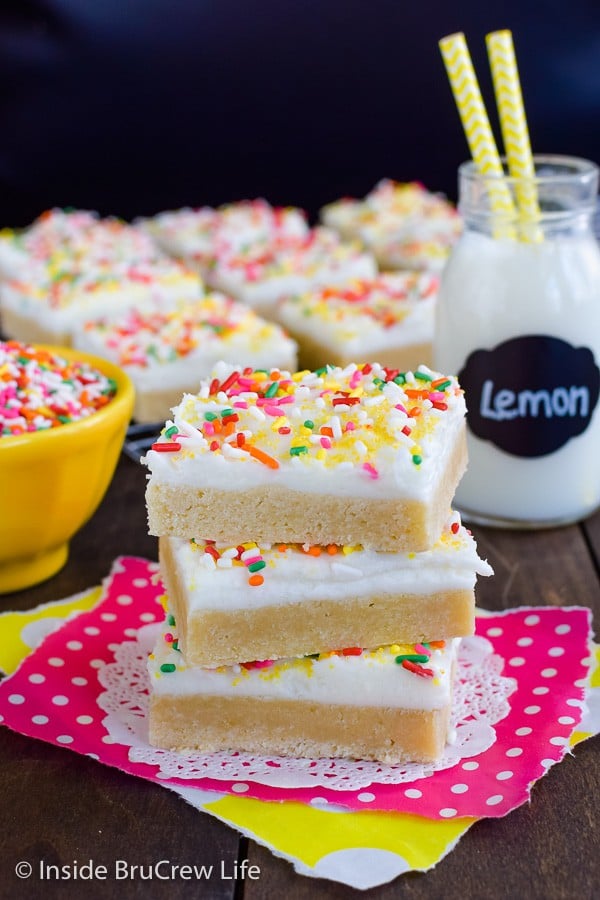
{"type": "Point", "coordinates": [59, 806]}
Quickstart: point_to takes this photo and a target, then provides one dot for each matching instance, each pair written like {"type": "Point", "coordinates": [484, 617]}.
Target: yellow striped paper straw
{"type": "Point", "coordinates": [476, 124]}
{"type": "Point", "coordinates": [515, 134]}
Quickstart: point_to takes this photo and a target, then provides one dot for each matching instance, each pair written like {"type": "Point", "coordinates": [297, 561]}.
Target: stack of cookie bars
{"type": "Point", "coordinates": [317, 581]}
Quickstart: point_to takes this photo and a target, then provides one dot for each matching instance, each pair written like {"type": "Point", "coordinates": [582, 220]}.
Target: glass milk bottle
{"type": "Point", "coordinates": [518, 321]}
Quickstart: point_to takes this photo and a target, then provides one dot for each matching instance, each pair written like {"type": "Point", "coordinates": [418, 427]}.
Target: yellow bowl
{"type": "Point", "coordinates": [51, 482]}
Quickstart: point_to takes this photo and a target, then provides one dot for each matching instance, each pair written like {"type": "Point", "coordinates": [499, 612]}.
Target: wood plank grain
{"type": "Point", "coordinates": [60, 807]}
{"type": "Point", "coordinates": [537, 568]}
{"type": "Point", "coordinates": [591, 530]}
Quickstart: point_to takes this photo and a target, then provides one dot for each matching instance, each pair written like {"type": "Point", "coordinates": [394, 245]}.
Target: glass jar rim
{"type": "Point", "coordinates": [571, 169]}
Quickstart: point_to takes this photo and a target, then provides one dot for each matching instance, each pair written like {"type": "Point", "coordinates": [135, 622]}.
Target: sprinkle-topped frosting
{"type": "Point", "coordinates": [405, 676]}
{"type": "Point", "coordinates": [205, 331]}
{"type": "Point", "coordinates": [365, 317]}
{"type": "Point", "coordinates": [40, 390]}
{"type": "Point", "coordinates": [362, 431]}
{"type": "Point", "coordinates": [200, 235]}
{"type": "Point", "coordinates": [405, 225]}
{"type": "Point", "coordinates": [263, 271]}
{"type": "Point", "coordinates": [68, 266]}
{"type": "Point", "coordinates": [222, 577]}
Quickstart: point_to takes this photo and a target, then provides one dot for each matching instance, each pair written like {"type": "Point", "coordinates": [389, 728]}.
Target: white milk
{"type": "Point", "coordinates": [497, 289]}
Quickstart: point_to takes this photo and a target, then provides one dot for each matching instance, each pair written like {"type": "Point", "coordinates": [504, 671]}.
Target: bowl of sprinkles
{"type": "Point", "coordinates": [63, 416]}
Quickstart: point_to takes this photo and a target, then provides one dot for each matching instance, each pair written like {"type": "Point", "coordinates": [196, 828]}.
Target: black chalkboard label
{"type": "Point", "coordinates": [530, 395]}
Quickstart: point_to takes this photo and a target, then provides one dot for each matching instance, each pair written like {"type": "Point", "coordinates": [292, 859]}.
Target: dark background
{"type": "Point", "coordinates": [132, 106]}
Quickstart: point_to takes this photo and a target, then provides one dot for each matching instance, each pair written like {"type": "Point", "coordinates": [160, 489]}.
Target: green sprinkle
{"type": "Point", "coordinates": [170, 619]}
{"type": "Point", "coordinates": [175, 645]}
{"type": "Point", "coordinates": [168, 667]}
{"type": "Point", "coordinates": [321, 371]}
{"type": "Point", "coordinates": [257, 566]}
{"type": "Point", "coordinates": [296, 451]}
{"type": "Point", "coordinates": [400, 379]}
{"type": "Point", "coordinates": [64, 420]}
{"type": "Point", "coordinates": [210, 417]}
{"type": "Point", "coordinates": [417, 459]}
{"type": "Point", "coordinates": [423, 376]}
{"type": "Point", "coordinates": [309, 424]}
{"type": "Point", "coordinates": [412, 657]}
{"type": "Point", "coordinates": [272, 389]}
{"type": "Point", "coordinates": [226, 412]}
{"type": "Point", "coordinates": [171, 431]}
{"type": "Point", "coordinates": [443, 385]}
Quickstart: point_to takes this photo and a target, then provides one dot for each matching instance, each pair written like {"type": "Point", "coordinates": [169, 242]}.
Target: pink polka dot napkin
{"type": "Point", "coordinates": [54, 696]}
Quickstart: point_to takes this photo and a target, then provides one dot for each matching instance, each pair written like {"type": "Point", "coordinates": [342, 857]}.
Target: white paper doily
{"type": "Point", "coordinates": [480, 700]}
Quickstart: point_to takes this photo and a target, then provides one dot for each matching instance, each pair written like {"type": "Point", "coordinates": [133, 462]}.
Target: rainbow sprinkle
{"type": "Point", "coordinates": [40, 390]}
{"type": "Point", "coordinates": [362, 415]}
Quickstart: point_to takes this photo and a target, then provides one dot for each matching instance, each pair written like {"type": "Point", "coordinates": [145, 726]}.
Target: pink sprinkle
{"type": "Point", "coordinates": [419, 648]}
{"type": "Point", "coordinates": [240, 404]}
{"type": "Point", "coordinates": [287, 399]}
{"type": "Point", "coordinates": [252, 272]}
{"type": "Point", "coordinates": [401, 408]}
{"type": "Point", "coordinates": [350, 426]}
{"type": "Point", "coordinates": [208, 428]}
{"type": "Point", "coordinates": [436, 396]}
{"type": "Point", "coordinates": [371, 470]}
{"type": "Point", "coordinates": [262, 663]}
{"type": "Point", "coordinates": [355, 380]}
{"type": "Point", "coordinates": [252, 559]}
{"type": "Point", "coordinates": [326, 443]}
{"type": "Point", "coordinates": [169, 637]}
{"type": "Point", "coordinates": [245, 382]}
{"type": "Point", "coordinates": [272, 410]}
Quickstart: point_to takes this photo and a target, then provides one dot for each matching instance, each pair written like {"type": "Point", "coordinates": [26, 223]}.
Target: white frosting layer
{"type": "Point", "coordinates": [292, 576]}
{"type": "Point", "coordinates": [261, 273]}
{"type": "Point", "coordinates": [84, 305]}
{"type": "Point", "coordinates": [362, 318]}
{"type": "Point", "coordinates": [200, 235]}
{"type": "Point", "coordinates": [386, 444]}
{"type": "Point", "coordinates": [176, 348]}
{"type": "Point", "coordinates": [372, 679]}
{"type": "Point", "coordinates": [404, 225]}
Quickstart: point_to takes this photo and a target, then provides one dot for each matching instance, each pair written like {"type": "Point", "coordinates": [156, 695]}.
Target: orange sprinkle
{"type": "Point", "coordinates": [437, 645]}
{"type": "Point", "coordinates": [332, 549]}
{"type": "Point", "coordinates": [217, 425]}
{"type": "Point", "coordinates": [256, 580]}
{"type": "Point", "coordinates": [415, 411]}
{"type": "Point", "coordinates": [326, 431]}
{"type": "Point", "coordinates": [261, 456]}
{"type": "Point", "coordinates": [228, 429]}
{"type": "Point", "coordinates": [314, 551]}
{"type": "Point", "coordinates": [415, 394]}
{"type": "Point", "coordinates": [282, 548]}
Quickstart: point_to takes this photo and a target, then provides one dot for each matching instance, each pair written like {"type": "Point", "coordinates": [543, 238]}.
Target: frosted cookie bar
{"type": "Point", "coordinates": [199, 235]}
{"type": "Point", "coordinates": [260, 273]}
{"type": "Point", "coordinates": [167, 353]}
{"type": "Point", "coordinates": [271, 601]}
{"type": "Point", "coordinates": [403, 224]}
{"type": "Point", "coordinates": [391, 704]}
{"type": "Point", "coordinates": [389, 318]}
{"type": "Point", "coordinates": [72, 266]}
{"type": "Point", "coordinates": [360, 455]}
